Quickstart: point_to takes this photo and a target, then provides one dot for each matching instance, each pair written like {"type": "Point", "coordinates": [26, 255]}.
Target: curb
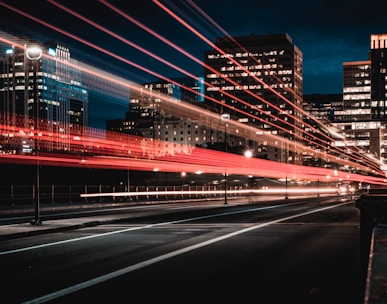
{"type": "Point", "coordinates": [17, 235]}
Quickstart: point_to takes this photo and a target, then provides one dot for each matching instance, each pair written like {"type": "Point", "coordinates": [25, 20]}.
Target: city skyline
{"type": "Point", "coordinates": [328, 33]}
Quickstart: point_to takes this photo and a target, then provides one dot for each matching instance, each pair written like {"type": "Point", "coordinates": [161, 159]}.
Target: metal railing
{"type": "Point", "coordinates": [18, 194]}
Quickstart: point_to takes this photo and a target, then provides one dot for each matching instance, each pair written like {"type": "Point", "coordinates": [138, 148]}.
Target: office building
{"type": "Point", "coordinates": [362, 115]}
{"type": "Point", "coordinates": [320, 112]}
{"type": "Point", "coordinates": [261, 77]}
{"type": "Point", "coordinates": [39, 89]}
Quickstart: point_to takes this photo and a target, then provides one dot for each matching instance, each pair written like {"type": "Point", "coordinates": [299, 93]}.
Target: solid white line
{"type": "Point", "coordinates": [166, 256]}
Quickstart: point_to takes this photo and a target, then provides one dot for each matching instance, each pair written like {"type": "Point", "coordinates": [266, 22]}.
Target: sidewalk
{"type": "Point", "coordinates": [14, 231]}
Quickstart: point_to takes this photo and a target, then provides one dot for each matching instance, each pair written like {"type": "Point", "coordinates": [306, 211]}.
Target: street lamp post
{"type": "Point", "coordinates": [286, 187]}
{"type": "Point", "coordinates": [225, 117]}
{"type": "Point", "coordinates": [249, 154]}
{"type": "Point", "coordinates": [34, 54]}
{"type": "Point", "coordinates": [318, 187]}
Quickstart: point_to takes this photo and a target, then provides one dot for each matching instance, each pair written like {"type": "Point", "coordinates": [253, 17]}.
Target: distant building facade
{"type": "Point", "coordinates": [321, 108]}
{"type": "Point", "coordinates": [146, 118]}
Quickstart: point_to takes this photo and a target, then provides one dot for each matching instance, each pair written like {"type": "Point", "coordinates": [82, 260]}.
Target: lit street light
{"type": "Point", "coordinates": [34, 53]}
{"type": "Point", "coordinates": [248, 154]}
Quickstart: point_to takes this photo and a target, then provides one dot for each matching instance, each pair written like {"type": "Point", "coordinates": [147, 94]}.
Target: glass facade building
{"type": "Point", "coordinates": [44, 90]}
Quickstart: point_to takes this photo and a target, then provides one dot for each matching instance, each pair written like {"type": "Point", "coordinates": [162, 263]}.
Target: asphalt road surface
{"type": "Point", "coordinates": [275, 252]}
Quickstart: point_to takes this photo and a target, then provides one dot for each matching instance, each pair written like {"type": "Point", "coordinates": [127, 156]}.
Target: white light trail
{"type": "Point", "coordinates": [215, 192]}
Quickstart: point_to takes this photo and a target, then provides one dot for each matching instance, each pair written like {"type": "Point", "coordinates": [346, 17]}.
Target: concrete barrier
{"type": "Point", "coordinates": [376, 283]}
{"type": "Point", "coordinates": [373, 242]}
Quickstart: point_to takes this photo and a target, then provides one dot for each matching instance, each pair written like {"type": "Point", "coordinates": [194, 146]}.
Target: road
{"type": "Point", "coordinates": [275, 252]}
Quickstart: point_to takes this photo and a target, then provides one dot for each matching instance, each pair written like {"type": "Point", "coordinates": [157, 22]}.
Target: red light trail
{"type": "Point", "coordinates": [182, 109]}
{"type": "Point", "coordinates": [120, 151]}
{"type": "Point", "coordinates": [315, 143]}
{"type": "Point", "coordinates": [202, 37]}
{"type": "Point", "coordinates": [225, 33]}
{"type": "Point", "coordinates": [160, 76]}
{"type": "Point", "coordinates": [116, 152]}
{"type": "Point", "coordinates": [187, 110]}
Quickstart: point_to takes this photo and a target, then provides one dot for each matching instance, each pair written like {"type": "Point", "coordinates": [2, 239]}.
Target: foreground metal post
{"type": "Point", "coordinates": [286, 188]}
{"type": "Point", "coordinates": [225, 117]}
{"type": "Point", "coordinates": [34, 54]}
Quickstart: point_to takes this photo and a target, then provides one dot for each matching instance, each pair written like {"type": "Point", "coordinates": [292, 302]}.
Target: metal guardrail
{"type": "Point", "coordinates": [16, 194]}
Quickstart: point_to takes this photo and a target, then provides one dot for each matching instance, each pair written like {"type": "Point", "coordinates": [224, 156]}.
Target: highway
{"type": "Point", "coordinates": [286, 251]}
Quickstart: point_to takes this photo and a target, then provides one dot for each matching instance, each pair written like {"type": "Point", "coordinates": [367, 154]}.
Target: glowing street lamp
{"type": "Point", "coordinates": [248, 154]}
{"type": "Point", "coordinates": [34, 53]}
{"type": "Point", "coordinates": [225, 117]}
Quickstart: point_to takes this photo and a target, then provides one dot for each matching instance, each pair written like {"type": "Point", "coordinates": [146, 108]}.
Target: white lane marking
{"type": "Point", "coordinates": [126, 270]}
{"type": "Point", "coordinates": [137, 228]}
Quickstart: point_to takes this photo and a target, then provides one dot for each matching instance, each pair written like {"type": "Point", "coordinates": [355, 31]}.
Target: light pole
{"type": "Point", "coordinates": [286, 187]}
{"type": "Point", "coordinates": [249, 154]}
{"type": "Point", "coordinates": [34, 53]}
{"type": "Point", "coordinates": [318, 187]}
{"type": "Point", "coordinates": [225, 117]}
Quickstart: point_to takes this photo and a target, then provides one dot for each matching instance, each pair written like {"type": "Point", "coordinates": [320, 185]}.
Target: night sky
{"type": "Point", "coordinates": [328, 32]}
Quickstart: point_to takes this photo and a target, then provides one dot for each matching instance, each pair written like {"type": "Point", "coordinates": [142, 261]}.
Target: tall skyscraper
{"type": "Point", "coordinates": [378, 57]}
{"type": "Point", "coordinates": [356, 92]}
{"type": "Point", "coordinates": [38, 76]}
{"type": "Point", "coordinates": [354, 115]}
{"type": "Point", "coordinates": [261, 76]}
{"type": "Point", "coordinates": [362, 115]}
